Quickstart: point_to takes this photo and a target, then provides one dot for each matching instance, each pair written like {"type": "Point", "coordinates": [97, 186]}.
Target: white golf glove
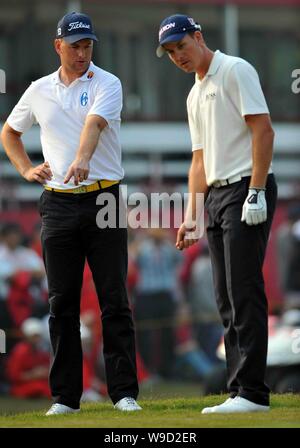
{"type": "Point", "coordinates": [255, 207]}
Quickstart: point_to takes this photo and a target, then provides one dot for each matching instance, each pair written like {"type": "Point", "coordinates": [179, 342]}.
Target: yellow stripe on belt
{"type": "Point", "coordinates": [99, 185]}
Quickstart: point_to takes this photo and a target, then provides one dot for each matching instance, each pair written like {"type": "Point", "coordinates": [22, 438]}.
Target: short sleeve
{"type": "Point", "coordinates": [244, 88]}
{"type": "Point", "coordinates": [194, 120]}
{"type": "Point", "coordinates": [108, 102]}
{"type": "Point", "coordinates": [22, 117]}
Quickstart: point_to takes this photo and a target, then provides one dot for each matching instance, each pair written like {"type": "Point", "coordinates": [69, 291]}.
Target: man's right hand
{"type": "Point", "coordinates": [39, 173]}
{"type": "Point", "coordinates": [185, 237]}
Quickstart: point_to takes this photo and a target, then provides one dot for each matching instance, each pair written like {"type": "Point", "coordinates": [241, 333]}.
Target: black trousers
{"type": "Point", "coordinates": [237, 253]}
{"type": "Point", "coordinates": [70, 235]}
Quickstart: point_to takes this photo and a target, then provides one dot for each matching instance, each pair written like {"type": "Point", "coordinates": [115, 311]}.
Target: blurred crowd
{"type": "Point", "coordinates": [178, 330]}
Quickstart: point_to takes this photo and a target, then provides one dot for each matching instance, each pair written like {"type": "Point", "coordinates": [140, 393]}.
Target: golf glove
{"type": "Point", "coordinates": [255, 207]}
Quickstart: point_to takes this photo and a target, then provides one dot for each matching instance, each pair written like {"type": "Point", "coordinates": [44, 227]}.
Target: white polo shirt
{"type": "Point", "coordinates": [216, 106]}
{"type": "Point", "coordinates": [61, 112]}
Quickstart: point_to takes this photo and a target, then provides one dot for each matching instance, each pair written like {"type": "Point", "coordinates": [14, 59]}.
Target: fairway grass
{"type": "Point", "coordinates": [164, 413]}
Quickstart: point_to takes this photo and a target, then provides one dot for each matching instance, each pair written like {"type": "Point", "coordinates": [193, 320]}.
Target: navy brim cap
{"type": "Point", "coordinates": [160, 51]}
{"type": "Point", "coordinates": [80, 36]}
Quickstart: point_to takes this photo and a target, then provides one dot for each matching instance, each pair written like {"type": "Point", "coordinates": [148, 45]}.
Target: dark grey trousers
{"type": "Point", "coordinates": [237, 253]}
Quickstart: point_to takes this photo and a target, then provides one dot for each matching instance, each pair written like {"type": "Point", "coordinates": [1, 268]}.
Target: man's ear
{"type": "Point", "coordinates": [198, 37]}
{"type": "Point", "coordinates": [57, 45]}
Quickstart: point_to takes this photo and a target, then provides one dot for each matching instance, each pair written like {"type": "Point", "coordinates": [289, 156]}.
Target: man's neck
{"type": "Point", "coordinates": [201, 71]}
{"type": "Point", "coordinates": [68, 77]}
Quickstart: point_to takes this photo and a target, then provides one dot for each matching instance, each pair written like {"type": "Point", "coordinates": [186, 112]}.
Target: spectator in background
{"type": "Point", "coordinates": [293, 275]}
{"type": "Point", "coordinates": [288, 252]}
{"type": "Point", "coordinates": [189, 256]}
{"type": "Point", "coordinates": [192, 363]}
{"type": "Point", "coordinates": [28, 363]}
{"type": "Point", "coordinates": [155, 305]}
{"type": "Point", "coordinates": [15, 258]}
{"type": "Point", "coordinates": [22, 282]}
{"type": "Point", "coordinates": [207, 325]}
{"type": "Point", "coordinates": [35, 241]}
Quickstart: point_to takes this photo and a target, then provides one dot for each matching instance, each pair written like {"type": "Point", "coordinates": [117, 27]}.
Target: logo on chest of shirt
{"type": "Point", "coordinates": [84, 99]}
{"type": "Point", "coordinates": [210, 96]}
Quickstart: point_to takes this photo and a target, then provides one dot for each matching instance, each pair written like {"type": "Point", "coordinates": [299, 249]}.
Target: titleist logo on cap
{"type": "Point", "coordinates": [75, 25]}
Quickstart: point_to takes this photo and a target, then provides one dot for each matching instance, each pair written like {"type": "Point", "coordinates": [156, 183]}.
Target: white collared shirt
{"type": "Point", "coordinates": [216, 106]}
{"type": "Point", "coordinates": [61, 112]}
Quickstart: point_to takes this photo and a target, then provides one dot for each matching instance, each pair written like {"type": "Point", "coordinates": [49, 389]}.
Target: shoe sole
{"type": "Point", "coordinates": [63, 413]}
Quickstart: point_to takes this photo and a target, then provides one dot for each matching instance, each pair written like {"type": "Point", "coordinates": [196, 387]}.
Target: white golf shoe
{"type": "Point", "coordinates": [211, 409]}
{"type": "Point", "coordinates": [237, 405]}
{"type": "Point", "coordinates": [127, 404]}
{"type": "Point", "coordinates": [57, 409]}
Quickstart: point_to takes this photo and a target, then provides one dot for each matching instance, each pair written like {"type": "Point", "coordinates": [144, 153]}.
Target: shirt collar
{"type": "Point", "coordinates": [87, 76]}
{"type": "Point", "coordinates": [214, 65]}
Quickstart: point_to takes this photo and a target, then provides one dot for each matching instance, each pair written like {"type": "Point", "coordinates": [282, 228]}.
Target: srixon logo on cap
{"type": "Point", "coordinates": [192, 21]}
{"type": "Point", "coordinates": [166, 27]}
{"type": "Point", "coordinates": [75, 25]}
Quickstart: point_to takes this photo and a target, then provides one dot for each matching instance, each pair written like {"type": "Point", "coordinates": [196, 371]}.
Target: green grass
{"type": "Point", "coordinates": [164, 413]}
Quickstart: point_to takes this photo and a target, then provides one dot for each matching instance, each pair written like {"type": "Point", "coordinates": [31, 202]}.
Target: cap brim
{"type": "Point", "coordinates": [77, 37]}
{"type": "Point", "coordinates": [160, 51]}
